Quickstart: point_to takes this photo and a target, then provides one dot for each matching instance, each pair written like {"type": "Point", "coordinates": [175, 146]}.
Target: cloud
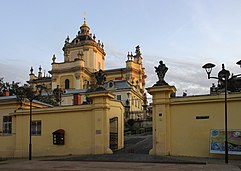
{"type": "Point", "coordinates": [13, 73]}
{"type": "Point", "coordinates": [115, 58]}
{"type": "Point", "coordinates": [185, 76]}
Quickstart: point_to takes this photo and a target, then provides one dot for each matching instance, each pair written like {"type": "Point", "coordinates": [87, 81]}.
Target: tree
{"type": "Point", "coordinates": [6, 86]}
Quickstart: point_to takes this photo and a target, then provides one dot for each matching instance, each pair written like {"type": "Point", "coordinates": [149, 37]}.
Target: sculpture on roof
{"type": "Point", "coordinates": [161, 72]}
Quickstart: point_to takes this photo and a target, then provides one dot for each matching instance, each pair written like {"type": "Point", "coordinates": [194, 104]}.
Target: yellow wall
{"type": "Point", "coordinates": [191, 136]}
{"type": "Point", "coordinates": [7, 146]}
{"type": "Point", "coordinates": [77, 126]}
{"type": "Point", "coordinates": [86, 128]}
{"type": "Point", "coordinates": [176, 131]}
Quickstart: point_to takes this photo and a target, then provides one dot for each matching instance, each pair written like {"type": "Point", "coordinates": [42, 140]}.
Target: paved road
{"type": "Point", "coordinates": [138, 144]}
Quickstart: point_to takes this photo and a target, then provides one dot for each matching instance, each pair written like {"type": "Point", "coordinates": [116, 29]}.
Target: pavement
{"type": "Point", "coordinates": [43, 165]}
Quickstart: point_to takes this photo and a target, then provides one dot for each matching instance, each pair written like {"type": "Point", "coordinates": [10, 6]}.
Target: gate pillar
{"type": "Point", "coordinates": [161, 96]}
{"type": "Point", "coordinates": [100, 121]}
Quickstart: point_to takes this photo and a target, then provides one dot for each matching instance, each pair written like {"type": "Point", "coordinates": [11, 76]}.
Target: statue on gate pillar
{"type": "Point", "coordinates": [161, 72]}
{"type": "Point", "coordinates": [100, 77]}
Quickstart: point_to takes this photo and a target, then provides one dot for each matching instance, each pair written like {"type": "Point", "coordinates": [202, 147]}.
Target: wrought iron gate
{"type": "Point", "coordinates": [114, 133]}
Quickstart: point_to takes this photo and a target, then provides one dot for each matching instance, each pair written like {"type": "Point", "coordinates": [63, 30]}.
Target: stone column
{"type": "Point", "coordinates": [161, 116]}
{"type": "Point", "coordinates": [100, 120]}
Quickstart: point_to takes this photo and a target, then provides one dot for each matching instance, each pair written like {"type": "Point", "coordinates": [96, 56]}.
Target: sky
{"type": "Point", "coordinates": [184, 34]}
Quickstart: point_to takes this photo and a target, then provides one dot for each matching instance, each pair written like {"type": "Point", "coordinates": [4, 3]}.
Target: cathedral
{"type": "Point", "coordinates": [83, 57]}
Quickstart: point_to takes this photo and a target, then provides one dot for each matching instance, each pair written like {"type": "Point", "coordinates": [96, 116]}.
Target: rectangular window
{"type": "Point", "coordinates": [99, 66]}
{"type": "Point", "coordinates": [202, 117]}
{"type": "Point", "coordinates": [36, 128]}
{"type": "Point", "coordinates": [7, 125]}
{"type": "Point", "coordinates": [118, 97]}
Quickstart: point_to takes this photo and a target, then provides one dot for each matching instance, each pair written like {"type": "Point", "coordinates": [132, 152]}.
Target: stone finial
{"type": "Point", "coordinates": [31, 70]}
{"type": "Point", "coordinates": [94, 37]}
{"type": "Point", "coordinates": [54, 58]}
{"type": "Point", "coordinates": [138, 51]}
{"type": "Point", "coordinates": [131, 56]}
{"type": "Point", "coordinates": [161, 72]}
{"type": "Point", "coordinates": [102, 45]}
{"type": "Point", "coordinates": [40, 72]}
{"type": "Point", "coordinates": [67, 39]}
{"type": "Point", "coordinates": [128, 56]}
{"type": "Point", "coordinates": [40, 68]}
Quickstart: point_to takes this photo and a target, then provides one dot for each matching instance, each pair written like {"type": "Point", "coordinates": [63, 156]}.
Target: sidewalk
{"type": "Point", "coordinates": [65, 163]}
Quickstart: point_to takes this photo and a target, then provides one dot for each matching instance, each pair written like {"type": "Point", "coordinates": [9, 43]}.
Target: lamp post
{"type": "Point", "coordinates": [28, 93]}
{"type": "Point", "coordinates": [223, 77]}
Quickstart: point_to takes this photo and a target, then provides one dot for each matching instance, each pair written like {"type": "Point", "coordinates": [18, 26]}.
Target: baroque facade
{"type": "Point", "coordinates": [83, 57]}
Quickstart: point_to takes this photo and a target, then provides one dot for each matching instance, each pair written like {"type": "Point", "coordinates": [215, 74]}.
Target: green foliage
{"type": "Point", "coordinates": [26, 91]}
{"type": "Point", "coordinates": [6, 86]}
{"type": "Point", "coordinates": [49, 99]}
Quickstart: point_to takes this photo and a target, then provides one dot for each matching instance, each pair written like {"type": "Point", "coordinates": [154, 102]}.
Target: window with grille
{"type": "Point", "coordinates": [36, 128]}
{"type": "Point", "coordinates": [7, 125]}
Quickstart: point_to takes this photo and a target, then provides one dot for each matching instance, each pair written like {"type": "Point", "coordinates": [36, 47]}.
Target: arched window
{"type": "Point", "coordinates": [66, 84]}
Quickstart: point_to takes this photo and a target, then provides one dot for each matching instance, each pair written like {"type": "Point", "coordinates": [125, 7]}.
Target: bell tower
{"type": "Point", "coordinates": [82, 56]}
{"type": "Point", "coordinates": [94, 54]}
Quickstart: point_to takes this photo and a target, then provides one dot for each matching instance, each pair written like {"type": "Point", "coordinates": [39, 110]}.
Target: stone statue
{"type": "Point", "coordinates": [100, 80]}
{"type": "Point", "coordinates": [161, 72]}
{"type": "Point", "coordinates": [57, 92]}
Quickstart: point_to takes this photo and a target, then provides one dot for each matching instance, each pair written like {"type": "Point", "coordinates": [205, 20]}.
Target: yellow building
{"type": "Point", "coordinates": [83, 56]}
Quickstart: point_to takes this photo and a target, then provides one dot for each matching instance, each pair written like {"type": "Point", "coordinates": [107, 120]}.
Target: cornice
{"type": "Point", "coordinates": [84, 44]}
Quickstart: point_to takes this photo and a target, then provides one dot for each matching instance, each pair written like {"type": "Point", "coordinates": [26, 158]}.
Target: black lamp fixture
{"type": "Point", "coordinates": [208, 67]}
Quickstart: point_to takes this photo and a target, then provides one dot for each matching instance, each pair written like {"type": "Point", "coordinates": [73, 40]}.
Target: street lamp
{"type": "Point", "coordinates": [28, 93]}
{"type": "Point", "coordinates": [223, 77]}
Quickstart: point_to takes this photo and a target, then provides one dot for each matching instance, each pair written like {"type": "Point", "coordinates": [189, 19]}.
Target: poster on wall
{"type": "Point", "coordinates": [217, 141]}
